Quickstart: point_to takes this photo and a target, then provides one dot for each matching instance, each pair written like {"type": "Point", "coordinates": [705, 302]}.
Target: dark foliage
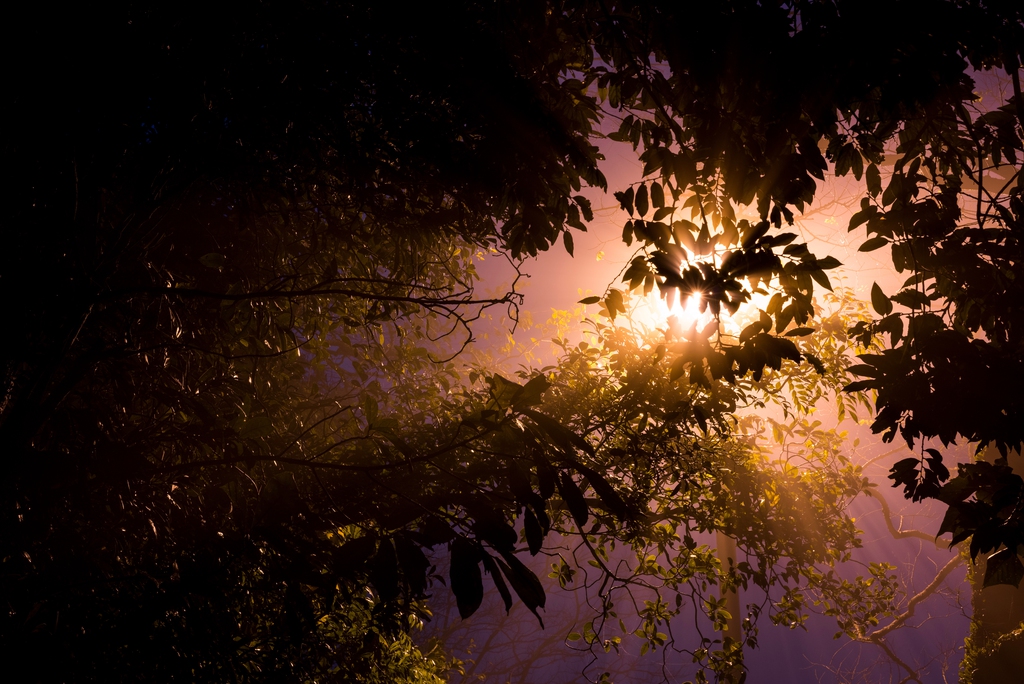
{"type": "Point", "coordinates": [209, 210]}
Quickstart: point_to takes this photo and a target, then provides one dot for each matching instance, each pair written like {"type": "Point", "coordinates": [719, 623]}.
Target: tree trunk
{"type": "Point", "coordinates": [996, 640]}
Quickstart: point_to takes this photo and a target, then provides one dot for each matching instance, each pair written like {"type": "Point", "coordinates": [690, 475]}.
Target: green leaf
{"type": "Point", "coordinates": [584, 204]}
{"type": "Point", "coordinates": [353, 554]}
{"type": "Point", "coordinates": [957, 490]}
{"type": "Point", "coordinates": [539, 506]}
{"type": "Point", "coordinates": [951, 522]}
{"type": "Point", "coordinates": [435, 531]}
{"type": "Point", "coordinates": [503, 389]}
{"type": "Point", "coordinates": [868, 212]}
{"type": "Point", "coordinates": [678, 368]}
{"type": "Point", "coordinates": [400, 444]}
{"type": "Point", "coordinates": [519, 481]}
{"type": "Point", "coordinates": [754, 233]}
{"type": "Point", "coordinates": [546, 477]}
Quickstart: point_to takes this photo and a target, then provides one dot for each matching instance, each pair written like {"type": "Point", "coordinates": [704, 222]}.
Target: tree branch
{"type": "Point", "coordinates": [901, 533]}
{"type": "Point", "coordinates": [915, 600]}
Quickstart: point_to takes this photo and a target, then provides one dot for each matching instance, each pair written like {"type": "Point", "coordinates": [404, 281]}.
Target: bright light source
{"type": "Point", "coordinates": [654, 311]}
{"type": "Point", "coordinates": [688, 310]}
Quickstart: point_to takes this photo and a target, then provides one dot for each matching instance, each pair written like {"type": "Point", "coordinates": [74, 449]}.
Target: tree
{"type": "Point", "coordinates": [236, 235]}
{"type": "Point", "coordinates": [723, 124]}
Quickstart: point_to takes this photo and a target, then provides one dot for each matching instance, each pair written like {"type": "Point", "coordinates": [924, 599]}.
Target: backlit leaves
{"type": "Point", "coordinates": [879, 301]}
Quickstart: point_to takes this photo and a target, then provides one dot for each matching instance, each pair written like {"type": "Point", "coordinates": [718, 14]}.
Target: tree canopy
{"type": "Point", "coordinates": [231, 437]}
{"type": "Point", "coordinates": [755, 119]}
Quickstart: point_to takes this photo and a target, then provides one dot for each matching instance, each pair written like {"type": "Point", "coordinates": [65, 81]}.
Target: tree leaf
{"type": "Point", "coordinates": [563, 436]}
{"type": "Point", "coordinates": [641, 200]}
{"type": "Point", "coordinates": [499, 582]}
{"type": "Point", "coordinates": [435, 531]}
{"type": "Point", "coordinates": [534, 533]}
{"type": "Point", "coordinates": [873, 180]}
{"type": "Point", "coordinates": [627, 233]}
{"type": "Point", "coordinates": [384, 570]}
{"type": "Point", "coordinates": [657, 196]}
{"type": "Point", "coordinates": [755, 232]}
{"type": "Point", "coordinates": [353, 554]}
{"type": "Point", "coordinates": [822, 279]}
{"type": "Point", "coordinates": [608, 495]}
{"type": "Point", "coordinates": [532, 392]}
{"type": "Point", "coordinates": [816, 363]}
{"type": "Point", "coordinates": [414, 564]}
{"type": "Point", "coordinates": [574, 500]}
{"type": "Point", "coordinates": [879, 302]}
{"type": "Point", "coordinates": [464, 573]}
{"type": "Point", "coordinates": [524, 582]}
{"type": "Point", "coordinates": [625, 199]}
{"type": "Point", "coordinates": [503, 391]}
{"type": "Point", "coordinates": [539, 506]}
{"type": "Point", "coordinates": [546, 477]}
{"type": "Point", "coordinates": [702, 418]}
{"type": "Point", "coordinates": [519, 481]}
{"type": "Point", "coordinates": [872, 244]}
